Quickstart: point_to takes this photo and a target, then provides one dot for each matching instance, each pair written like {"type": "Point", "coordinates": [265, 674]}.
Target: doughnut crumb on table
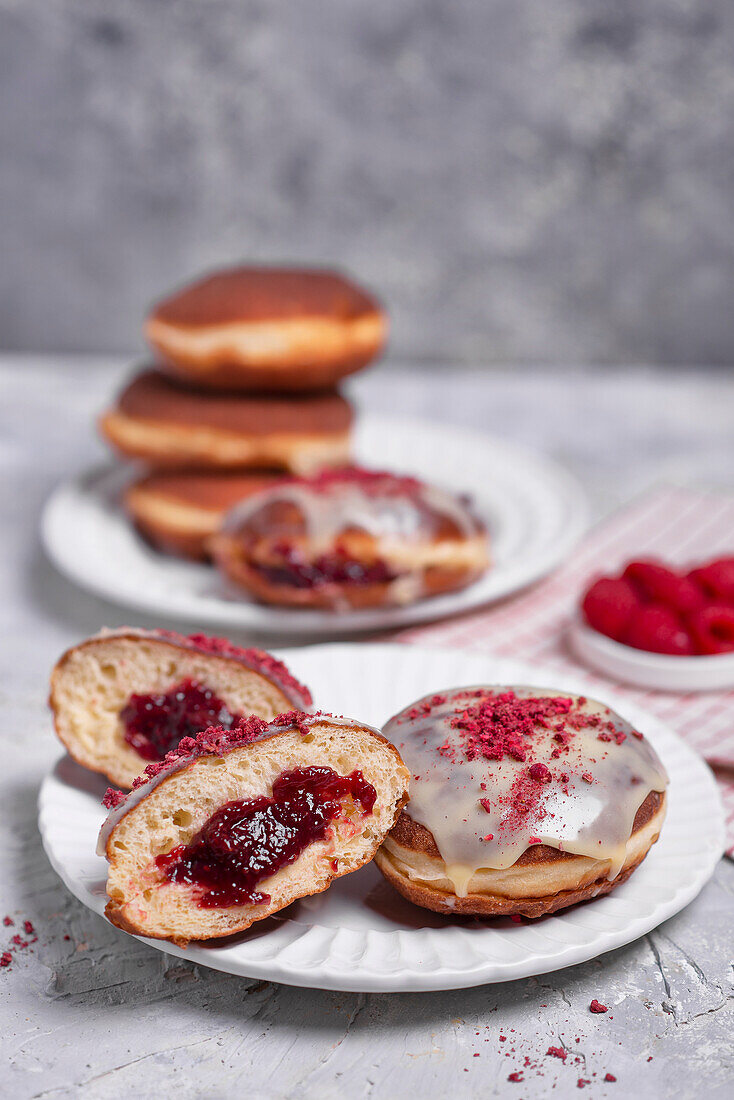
{"type": "Point", "coordinates": [267, 328]}
{"type": "Point", "coordinates": [127, 697]}
{"type": "Point", "coordinates": [237, 824]}
{"type": "Point", "coordinates": [179, 512]}
{"type": "Point", "coordinates": [351, 538]}
{"type": "Point", "coordinates": [522, 801]}
{"type": "Point", "coordinates": [169, 426]}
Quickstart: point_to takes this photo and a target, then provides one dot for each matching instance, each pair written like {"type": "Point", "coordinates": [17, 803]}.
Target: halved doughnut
{"type": "Point", "coordinates": [238, 824]}
{"type": "Point", "coordinates": [523, 801]}
{"type": "Point", "coordinates": [267, 328]}
{"type": "Point", "coordinates": [126, 697]}
{"type": "Point", "coordinates": [351, 538]}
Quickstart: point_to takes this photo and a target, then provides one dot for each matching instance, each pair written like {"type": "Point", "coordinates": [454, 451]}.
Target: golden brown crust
{"type": "Point", "coordinates": [116, 914]}
{"type": "Point", "coordinates": [267, 328]}
{"type": "Point", "coordinates": [180, 512]}
{"type": "Point", "coordinates": [151, 396]}
{"type": "Point", "coordinates": [173, 428]}
{"type": "Point", "coordinates": [264, 294]}
{"type": "Point", "coordinates": [411, 836]}
{"type": "Point", "coordinates": [489, 905]}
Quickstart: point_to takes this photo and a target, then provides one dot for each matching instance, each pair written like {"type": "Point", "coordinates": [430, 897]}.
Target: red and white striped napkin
{"type": "Point", "coordinates": [677, 524]}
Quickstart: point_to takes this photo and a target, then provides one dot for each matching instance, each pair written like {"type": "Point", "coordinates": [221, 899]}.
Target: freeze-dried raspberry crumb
{"type": "Point", "coordinates": [609, 1077]}
{"type": "Point", "coordinates": [6, 958]}
{"type": "Point", "coordinates": [112, 798]}
{"type": "Point", "coordinates": [540, 773]}
{"type": "Point", "coordinates": [557, 1052]}
{"type": "Point", "coordinates": [596, 1006]}
{"type": "Point", "coordinates": [582, 1083]}
{"type": "Point", "coordinates": [8, 922]}
{"type": "Point", "coordinates": [28, 928]}
{"type": "Point", "coordinates": [516, 1076]}
{"type": "Point", "coordinates": [499, 724]}
{"type": "Point", "coordinates": [256, 659]}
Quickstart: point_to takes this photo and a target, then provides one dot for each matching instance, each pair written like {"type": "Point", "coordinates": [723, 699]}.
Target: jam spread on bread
{"type": "Point", "coordinates": [154, 724]}
{"type": "Point", "coordinates": [248, 840]}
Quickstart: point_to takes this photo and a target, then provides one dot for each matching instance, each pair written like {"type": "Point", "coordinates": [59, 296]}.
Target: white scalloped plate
{"type": "Point", "coordinates": [360, 935]}
{"type": "Point", "coordinates": [534, 511]}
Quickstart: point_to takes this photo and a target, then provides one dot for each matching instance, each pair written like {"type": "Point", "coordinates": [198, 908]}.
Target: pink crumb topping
{"type": "Point", "coordinates": [257, 659]}
{"type": "Point", "coordinates": [214, 741]}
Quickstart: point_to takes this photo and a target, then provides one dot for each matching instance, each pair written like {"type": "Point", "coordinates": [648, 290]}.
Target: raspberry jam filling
{"type": "Point", "coordinates": [154, 724]}
{"type": "Point", "coordinates": [248, 840]}
{"type": "Point", "coordinates": [297, 571]}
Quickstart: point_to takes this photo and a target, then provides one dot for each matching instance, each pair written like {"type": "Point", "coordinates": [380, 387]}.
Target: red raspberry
{"type": "Point", "coordinates": [716, 579]}
{"type": "Point", "coordinates": [654, 581]}
{"type": "Point", "coordinates": [658, 630]}
{"type": "Point", "coordinates": [712, 629]}
{"type": "Point", "coordinates": [608, 606]}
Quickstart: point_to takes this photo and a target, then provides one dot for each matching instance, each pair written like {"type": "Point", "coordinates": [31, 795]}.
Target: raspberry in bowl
{"type": "Point", "coordinates": [660, 626]}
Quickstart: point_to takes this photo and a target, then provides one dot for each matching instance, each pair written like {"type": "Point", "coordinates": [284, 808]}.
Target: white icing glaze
{"type": "Point", "coordinates": [385, 514]}
{"type": "Point", "coordinates": [136, 796]}
{"type": "Point", "coordinates": [571, 814]}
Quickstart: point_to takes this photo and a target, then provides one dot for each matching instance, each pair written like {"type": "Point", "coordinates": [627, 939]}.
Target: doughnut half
{"type": "Point", "coordinates": [204, 846]}
{"type": "Point", "coordinates": [261, 328]}
{"type": "Point", "coordinates": [170, 427]}
{"type": "Point", "coordinates": [100, 688]}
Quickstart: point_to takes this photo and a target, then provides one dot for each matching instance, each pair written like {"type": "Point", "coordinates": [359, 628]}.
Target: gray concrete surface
{"type": "Point", "coordinates": [90, 1013]}
{"type": "Point", "coordinates": [520, 179]}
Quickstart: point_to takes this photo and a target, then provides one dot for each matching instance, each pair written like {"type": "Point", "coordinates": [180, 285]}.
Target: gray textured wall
{"type": "Point", "coordinates": [520, 179]}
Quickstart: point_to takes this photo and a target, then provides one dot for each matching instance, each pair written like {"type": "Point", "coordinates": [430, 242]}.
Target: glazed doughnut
{"type": "Point", "coordinates": [168, 426]}
{"type": "Point", "coordinates": [351, 538]}
{"type": "Point", "coordinates": [126, 697]}
{"type": "Point", "coordinates": [522, 801]}
{"type": "Point", "coordinates": [179, 512]}
{"type": "Point", "coordinates": [237, 824]}
{"type": "Point", "coordinates": [256, 328]}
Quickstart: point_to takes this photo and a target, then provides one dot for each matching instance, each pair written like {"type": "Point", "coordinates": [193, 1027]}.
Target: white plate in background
{"type": "Point", "coordinates": [360, 934]}
{"type": "Point", "coordinates": [534, 510]}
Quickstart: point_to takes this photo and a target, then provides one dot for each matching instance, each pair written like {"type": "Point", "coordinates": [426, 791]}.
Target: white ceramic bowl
{"type": "Point", "coordinates": [655, 671]}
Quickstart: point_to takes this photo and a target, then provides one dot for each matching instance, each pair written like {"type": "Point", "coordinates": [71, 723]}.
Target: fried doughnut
{"type": "Point", "coordinates": [171, 427]}
{"type": "Point", "coordinates": [351, 538]}
{"type": "Point", "coordinates": [522, 801]}
{"type": "Point", "coordinates": [126, 697]}
{"type": "Point", "coordinates": [261, 328]}
{"type": "Point", "coordinates": [179, 512]}
{"type": "Point", "coordinates": [237, 824]}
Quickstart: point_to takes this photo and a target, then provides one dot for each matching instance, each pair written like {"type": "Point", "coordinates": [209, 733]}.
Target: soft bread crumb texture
{"type": "Point", "coordinates": [141, 901]}
{"type": "Point", "coordinates": [94, 681]}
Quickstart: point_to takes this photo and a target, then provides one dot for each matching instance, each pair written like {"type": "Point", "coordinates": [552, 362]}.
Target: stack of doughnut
{"type": "Point", "coordinates": [242, 390]}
